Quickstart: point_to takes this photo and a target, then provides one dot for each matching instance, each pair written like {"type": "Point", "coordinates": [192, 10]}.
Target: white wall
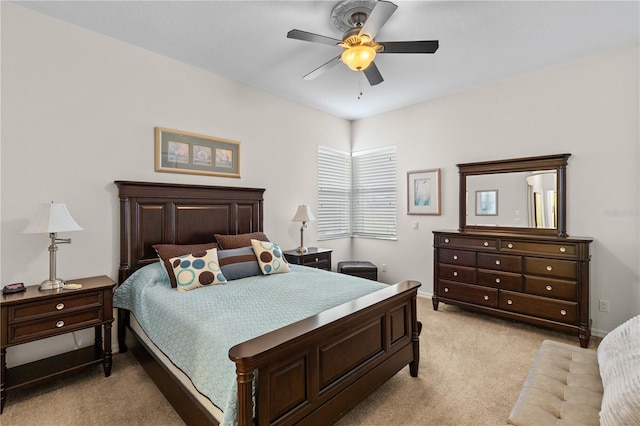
{"type": "Point", "coordinates": [78, 112]}
{"type": "Point", "coordinates": [587, 108]}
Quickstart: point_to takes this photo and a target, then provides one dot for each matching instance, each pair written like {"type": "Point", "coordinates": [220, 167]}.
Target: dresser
{"type": "Point", "coordinates": [37, 314]}
{"type": "Point", "coordinates": [542, 280]}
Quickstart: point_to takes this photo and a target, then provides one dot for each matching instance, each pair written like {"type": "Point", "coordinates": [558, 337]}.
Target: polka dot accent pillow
{"type": "Point", "coordinates": [269, 257]}
{"type": "Point", "coordinates": [197, 270]}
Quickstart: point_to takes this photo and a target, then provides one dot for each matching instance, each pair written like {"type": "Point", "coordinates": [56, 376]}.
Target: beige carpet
{"type": "Point", "coordinates": [471, 369]}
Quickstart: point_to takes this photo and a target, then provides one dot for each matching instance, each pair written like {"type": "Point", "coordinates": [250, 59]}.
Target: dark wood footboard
{"type": "Point", "coordinates": [314, 371]}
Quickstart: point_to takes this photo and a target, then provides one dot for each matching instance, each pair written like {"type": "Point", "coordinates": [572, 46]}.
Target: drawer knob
{"type": "Point", "coordinates": [497, 262]}
{"type": "Point", "coordinates": [549, 288]}
{"type": "Point", "coordinates": [455, 273]}
{"type": "Point", "coordinates": [498, 280]}
{"type": "Point", "coordinates": [60, 306]}
{"type": "Point", "coordinates": [60, 324]}
{"type": "Point", "coordinates": [562, 249]}
{"type": "Point", "coordinates": [486, 244]}
{"type": "Point", "coordinates": [316, 259]}
{"type": "Point", "coordinates": [509, 302]}
{"type": "Point", "coordinates": [510, 245]}
{"type": "Point", "coordinates": [446, 240]}
{"type": "Point", "coordinates": [446, 289]}
{"type": "Point", "coordinates": [563, 312]}
{"type": "Point", "coordinates": [486, 297]}
{"type": "Point", "coordinates": [455, 257]}
{"type": "Point", "coordinates": [549, 268]}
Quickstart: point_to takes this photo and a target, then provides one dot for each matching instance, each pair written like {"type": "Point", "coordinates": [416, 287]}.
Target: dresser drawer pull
{"type": "Point", "coordinates": [455, 257]}
{"type": "Point", "coordinates": [455, 273]}
{"type": "Point", "coordinates": [446, 240]}
{"type": "Point", "coordinates": [498, 280]}
{"type": "Point", "coordinates": [510, 245]}
{"type": "Point", "coordinates": [316, 259]}
{"type": "Point", "coordinates": [497, 262]}
{"type": "Point", "coordinates": [563, 312]}
{"type": "Point", "coordinates": [549, 288]}
{"type": "Point", "coordinates": [486, 244]}
{"type": "Point", "coordinates": [549, 268]}
{"type": "Point", "coordinates": [562, 249]}
{"type": "Point", "coordinates": [60, 306]}
{"type": "Point", "coordinates": [446, 289]}
{"type": "Point", "coordinates": [486, 297]}
{"type": "Point", "coordinates": [60, 324]}
{"type": "Point", "coordinates": [509, 302]}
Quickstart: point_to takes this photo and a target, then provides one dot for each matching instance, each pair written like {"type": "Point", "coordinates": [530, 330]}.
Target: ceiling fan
{"type": "Point", "coordinates": [361, 20]}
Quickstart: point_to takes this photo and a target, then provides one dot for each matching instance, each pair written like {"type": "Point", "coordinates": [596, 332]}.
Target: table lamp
{"type": "Point", "coordinates": [303, 215]}
{"type": "Point", "coordinates": [52, 218]}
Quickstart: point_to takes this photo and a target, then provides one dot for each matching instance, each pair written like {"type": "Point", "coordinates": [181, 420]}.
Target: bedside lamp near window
{"type": "Point", "coordinates": [52, 218]}
{"type": "Point", "coordinates": [303, 215]}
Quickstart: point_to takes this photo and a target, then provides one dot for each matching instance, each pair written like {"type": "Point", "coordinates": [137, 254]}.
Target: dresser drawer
{"type": "Point", "coordinates": [55, 307]}
{"type": "Point", "coordinates": [477, 295]}
{"type": "Point", "coordinates": [500, 262]}
{"type": "Point", "coordinates": [458, 257]}
{"type": "Point", "coordinates": [542, 307]}
{"type": "Point", "coordinates": [467, 242]}
{"type": "Point", "coordinates": [551, 267]}
{"type": "Point", "coordinates": [53, 325]}
{"type": "Point", "coordinates": [551, 288]}
{"type": "Point", "coordinates": [503, 280]}
{"type": "Point", "coordinates": [527, 247]}
{"type": "Point", "coordinates": [458, 273]}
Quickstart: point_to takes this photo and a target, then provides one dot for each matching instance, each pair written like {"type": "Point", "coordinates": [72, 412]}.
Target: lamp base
{"type": "Point", "coordinates": [302, 250]}
{"type": "Point", "coordinates": [52, 284]}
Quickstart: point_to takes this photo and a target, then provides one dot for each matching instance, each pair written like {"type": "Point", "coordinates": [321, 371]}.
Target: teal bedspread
{"type": "Point", "coordinates": [196, 328]}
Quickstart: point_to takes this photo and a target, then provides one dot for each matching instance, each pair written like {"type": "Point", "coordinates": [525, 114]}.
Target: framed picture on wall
{"type": "Point", "coordinates": [183, 152]}
{"type": "Point", "coordinates": [423, 192]}
{"type": "Point", "coordinates": [487, 202]}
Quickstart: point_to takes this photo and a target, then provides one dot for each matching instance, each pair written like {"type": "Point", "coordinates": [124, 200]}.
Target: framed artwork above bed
{"type": "Point", "coordinates": [190, 153]}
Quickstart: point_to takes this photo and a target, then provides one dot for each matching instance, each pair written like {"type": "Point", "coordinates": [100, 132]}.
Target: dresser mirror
{"type": "Point", "coordinates": [521, 195]}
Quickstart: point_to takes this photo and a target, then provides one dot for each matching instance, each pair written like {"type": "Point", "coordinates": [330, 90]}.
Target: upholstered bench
{"type": "Point", "coordinates": [569, 385]}
{"type": "Point", "coordinates": [359, 269]}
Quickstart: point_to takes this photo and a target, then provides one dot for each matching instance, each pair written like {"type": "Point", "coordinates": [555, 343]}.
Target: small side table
{"type": "Point", "coordinates": [36, 314]}
{"type": "Point", "coordinates": [315, 257]}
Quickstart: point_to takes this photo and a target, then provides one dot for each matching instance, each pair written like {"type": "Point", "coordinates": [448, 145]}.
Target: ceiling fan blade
{"type": "Point", "coordinates": [315, 38]}
{"type": "Point", "coordinates": [322, 68]}
{"type": "Point", "coordinates": [423, 46]}
{"type": "Point", "coordinates": [373, 74]}
{"type": "Point", "coordinates": [379, 15]}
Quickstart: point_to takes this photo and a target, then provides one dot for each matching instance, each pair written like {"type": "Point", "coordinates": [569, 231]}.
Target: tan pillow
{"type": "Point", "coordinates": [227, 242]}
{"type": "Point", "coordinates": [168, 251]}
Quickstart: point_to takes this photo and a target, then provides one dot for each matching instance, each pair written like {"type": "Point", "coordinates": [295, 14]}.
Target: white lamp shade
{"type": "Point", "coordinates": [303, 214]}
{"type": "Point", "coordinates": [52, 217]}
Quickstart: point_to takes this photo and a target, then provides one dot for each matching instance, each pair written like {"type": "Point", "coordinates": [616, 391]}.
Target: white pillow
{"type": "Point", "coordinates": [619, 361]}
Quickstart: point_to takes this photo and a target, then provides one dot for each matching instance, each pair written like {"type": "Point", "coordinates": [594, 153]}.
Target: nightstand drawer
{"type": "Point", "coordinates": [320, 262]}
{"type": "Point", "coordinates": [54, 325]}
{"type": "Point", "coordinates": [63, 305]}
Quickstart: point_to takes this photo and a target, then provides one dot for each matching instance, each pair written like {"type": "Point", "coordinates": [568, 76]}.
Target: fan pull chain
{"type": "Point", "coordinates": [360, 87]}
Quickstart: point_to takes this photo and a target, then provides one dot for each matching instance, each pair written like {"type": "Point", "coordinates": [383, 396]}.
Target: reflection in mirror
{"type": "Point", "coordinates": [526, 199]}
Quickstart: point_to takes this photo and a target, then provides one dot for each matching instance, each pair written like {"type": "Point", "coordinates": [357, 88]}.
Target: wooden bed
{"type": "Point", "coordinates": [310, 372]}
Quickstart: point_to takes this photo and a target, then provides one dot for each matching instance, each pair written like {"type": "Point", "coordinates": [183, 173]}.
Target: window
{"type": "Point", "coordinates": [357, 194]}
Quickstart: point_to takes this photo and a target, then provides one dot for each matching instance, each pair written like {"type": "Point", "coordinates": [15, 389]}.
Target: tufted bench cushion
{"type": "Point", "coordinates": [563, 388]}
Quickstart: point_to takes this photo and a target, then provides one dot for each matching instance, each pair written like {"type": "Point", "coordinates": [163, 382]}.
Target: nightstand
{"type": "Point", "coordinates": [34, 314]}
{"type": "Point", "coordinates": [315, 257]}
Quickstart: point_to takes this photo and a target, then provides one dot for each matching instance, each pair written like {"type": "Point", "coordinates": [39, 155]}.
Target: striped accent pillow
{"type": "Point", "coordinates": [238, 263]}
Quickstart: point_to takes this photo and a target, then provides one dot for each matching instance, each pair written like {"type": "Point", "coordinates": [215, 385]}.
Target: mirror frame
{"type": "Point", "coordinates": [557, 162]}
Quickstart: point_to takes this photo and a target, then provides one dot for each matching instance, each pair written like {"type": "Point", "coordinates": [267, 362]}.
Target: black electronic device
{"type": "Point", "coordinates": [13, 288]}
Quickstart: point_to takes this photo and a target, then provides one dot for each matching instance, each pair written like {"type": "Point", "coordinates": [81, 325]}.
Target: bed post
{"type": "Point", "coordinates": [245, 397]}
{"type": "Point", "coordinates": [415, 338]}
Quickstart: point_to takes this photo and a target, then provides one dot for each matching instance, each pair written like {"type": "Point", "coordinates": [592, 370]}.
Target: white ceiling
{"type": "Point", "coordinates": [480, 42]}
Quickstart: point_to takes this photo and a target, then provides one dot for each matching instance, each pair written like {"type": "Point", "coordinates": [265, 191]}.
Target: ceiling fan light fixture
{"type": "Point", "coordinates": [358, 57]}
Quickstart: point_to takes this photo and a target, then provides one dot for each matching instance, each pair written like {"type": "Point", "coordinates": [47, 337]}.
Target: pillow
{"type": "Point", "coordinates": [238, 263]}
{"type": "Point", "coordinates": [239, 241]}
{"type": "Point", "coordinates": [197, 270]}
{"type": "Point", "coordinates": [167, 251]}
{"type": "Point", "coordinates": [270, 257]}
{"type": "Point", "coordinates": [619, 362]}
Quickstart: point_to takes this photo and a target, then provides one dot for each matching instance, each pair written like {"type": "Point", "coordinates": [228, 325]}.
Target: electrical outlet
{"type": "Point", "coordinates": [603, 305]}
{"type": "Point", "coordinates": [384, 267]}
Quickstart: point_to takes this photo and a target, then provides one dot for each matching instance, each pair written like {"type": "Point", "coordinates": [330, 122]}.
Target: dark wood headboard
{"type": "Point", "coordinates": [166, 213]}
